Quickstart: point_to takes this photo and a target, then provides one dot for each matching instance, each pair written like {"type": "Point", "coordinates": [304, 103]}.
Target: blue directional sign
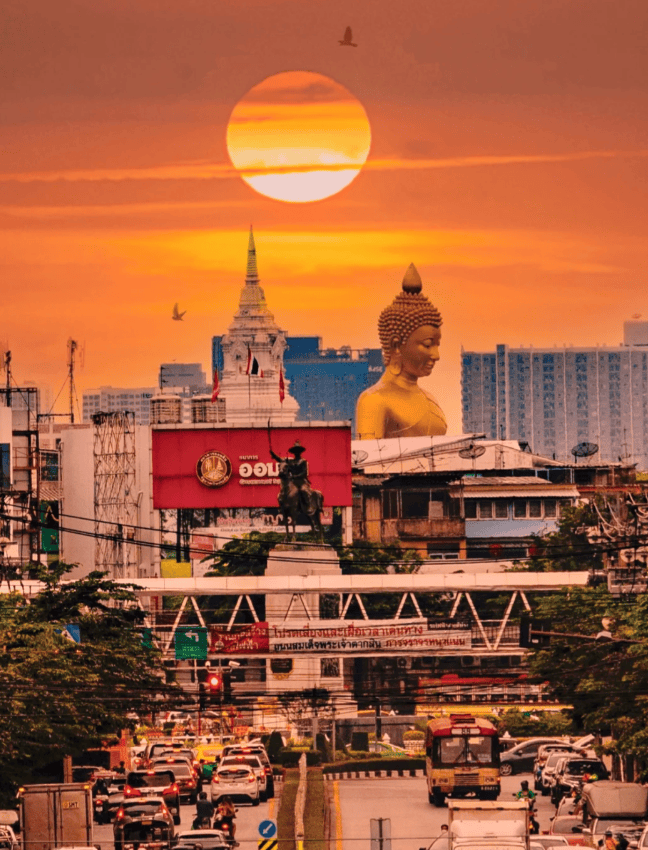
{"type": "Point", "coordinates": [268, 828]}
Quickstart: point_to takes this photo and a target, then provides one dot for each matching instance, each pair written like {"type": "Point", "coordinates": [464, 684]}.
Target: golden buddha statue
{"type": "Point", "coordinates": [410, 333]}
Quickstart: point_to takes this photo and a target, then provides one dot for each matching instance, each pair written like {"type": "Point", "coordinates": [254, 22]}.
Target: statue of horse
{"type": "Point", "coordinates": [294, 500]}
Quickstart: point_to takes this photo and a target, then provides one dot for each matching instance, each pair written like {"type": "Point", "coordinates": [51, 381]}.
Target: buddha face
{"type": "Point", "coordinates": [420, 351]}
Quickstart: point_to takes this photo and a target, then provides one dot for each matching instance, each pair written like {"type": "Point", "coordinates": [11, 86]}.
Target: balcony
{"type": "Point", "coordinates": [403, 529]}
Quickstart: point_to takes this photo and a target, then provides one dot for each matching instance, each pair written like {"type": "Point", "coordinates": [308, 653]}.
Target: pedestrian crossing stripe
{"type": "Point", "coordinates": [267, 844]}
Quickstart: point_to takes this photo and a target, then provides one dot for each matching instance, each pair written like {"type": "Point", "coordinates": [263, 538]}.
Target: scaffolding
{"type": "Point", "coordinates": [115, 494]}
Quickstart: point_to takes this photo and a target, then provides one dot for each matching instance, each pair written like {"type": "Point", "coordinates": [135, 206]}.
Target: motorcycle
{"type": "Point", "coordinates": [201, 823]}
{"type": "Point", "coordinates": [225, 823]}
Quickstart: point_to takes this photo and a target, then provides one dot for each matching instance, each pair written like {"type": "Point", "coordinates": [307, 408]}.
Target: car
{"type": "Point", "coordinates": [554, 760]}
{"type": "Point", "coordinates": [564, 825]}
{"type": "Point", "coordinates": [185, 777]}
{"type": "Point", "coordinates": [208, 839]}
{"type": "Point", "coordinates": [152, 783]}
{"type": "Point", "coordinates": [239, 782]}
{"type": "Point", "coordinates": [543, 753]}
{"type": "Point", "coordinates": [520, 758]}
{"type": "Point", "coordinates": [150, 822]}
{"type": "Point", "coordinates": [253, 761]}
{"type": "Point", "coordinates": [258, 750]}
{"type": "Point", "coordinates": [142, 820]}
{"type": "Point", "coordinates": [570, 773]}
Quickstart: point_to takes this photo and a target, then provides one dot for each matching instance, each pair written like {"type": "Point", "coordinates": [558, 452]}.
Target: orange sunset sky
{"type": "Point", "coordinates": [508, 161]}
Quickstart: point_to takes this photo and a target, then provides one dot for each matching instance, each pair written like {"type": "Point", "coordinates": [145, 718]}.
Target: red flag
{"type": "Point", "coordinates": [216, 388]}
{"type": "Point", "coordinates": [253, 367]}
{"type": "Point", "coordinates": [282, 386]}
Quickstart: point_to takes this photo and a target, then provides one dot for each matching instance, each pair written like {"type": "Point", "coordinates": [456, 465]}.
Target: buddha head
{"type": "Point", "coordinates": [409, 316]}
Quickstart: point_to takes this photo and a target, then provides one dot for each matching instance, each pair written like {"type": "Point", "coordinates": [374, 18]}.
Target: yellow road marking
{"type": "Point", "coordinates": [338, 815]}
{"type": "Point", "coordinates": [271, 807]}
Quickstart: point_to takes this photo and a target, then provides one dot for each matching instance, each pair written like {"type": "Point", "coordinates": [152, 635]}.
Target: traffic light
{"type": "Point", "coordinates": [214, 683]}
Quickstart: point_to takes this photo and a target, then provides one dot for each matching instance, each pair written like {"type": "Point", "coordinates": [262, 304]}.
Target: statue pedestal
{"type": "Point", "coordinates": [298, 560]}
{"type": "Point", "coordinates": [297, 672]}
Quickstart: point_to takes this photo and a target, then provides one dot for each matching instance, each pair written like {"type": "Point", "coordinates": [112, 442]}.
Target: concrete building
{"type": "Point", "coordinates": [189, 376]}
{"type": "Point", "coordinates": [136, 400]}
{"type": "Point", "coordinates": [79, 494]}
{"type": "Point", "coordinates": [556, 398]}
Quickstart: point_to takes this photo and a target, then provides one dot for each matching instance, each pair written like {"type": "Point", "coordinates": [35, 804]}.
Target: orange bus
{"type": "Point", "coordinates": [462, 758]}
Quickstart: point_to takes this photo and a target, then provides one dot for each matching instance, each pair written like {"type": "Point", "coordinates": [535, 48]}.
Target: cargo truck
{"type": "Point", "coordinates": [488, 825]}
{"type": "Point", "coordinates": [56, 815]}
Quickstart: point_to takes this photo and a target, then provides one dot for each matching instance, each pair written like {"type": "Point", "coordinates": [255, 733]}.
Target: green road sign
{"type": "Point", "coordinates": [191, 642]}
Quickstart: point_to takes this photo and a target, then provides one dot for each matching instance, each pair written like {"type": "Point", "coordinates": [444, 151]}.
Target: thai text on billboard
{"type": "Point", "coordinates": [233, 467]}
{"type": "Point", "coordinates": [342, 636]}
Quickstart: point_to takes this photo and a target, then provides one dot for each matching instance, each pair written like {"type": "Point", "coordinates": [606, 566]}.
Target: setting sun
{"type": "Point", "coordinates": [298, 137]}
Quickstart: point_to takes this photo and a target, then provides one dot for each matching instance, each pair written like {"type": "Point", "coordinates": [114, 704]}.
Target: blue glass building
{"type": "Point", "coordinates": [326, 382]}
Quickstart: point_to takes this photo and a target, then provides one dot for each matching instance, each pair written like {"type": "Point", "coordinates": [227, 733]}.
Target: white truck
{"type": "Point", "coordinates": [488, 825]}
{"type": "Point", "coordinates": [56, 815]}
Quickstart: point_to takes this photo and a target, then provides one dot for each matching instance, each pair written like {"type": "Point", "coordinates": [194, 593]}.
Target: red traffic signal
{"type": "Point", "coordinates": [214, 682]}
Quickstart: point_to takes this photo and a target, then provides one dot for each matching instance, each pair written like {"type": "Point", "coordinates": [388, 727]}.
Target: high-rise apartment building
{"type": "Point", "coordinates": [556, 398]}
{"type": "Point", "coordinates": [135, 400]}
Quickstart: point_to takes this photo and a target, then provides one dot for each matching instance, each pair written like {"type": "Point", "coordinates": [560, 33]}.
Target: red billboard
{"type": "Point", "coordinates": [233, 467]}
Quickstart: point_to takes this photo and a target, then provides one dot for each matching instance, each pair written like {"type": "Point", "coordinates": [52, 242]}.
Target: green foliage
{"type": "Point", "coordinates": [286, 814]}
{"type": "Point", "coordinates": [315, 811]}
{"type": "Point", "coordinates": [606, 681]}
{"type": "Point", "coordinates": [61, 698]}
{"type": "Point", "coordinates": [244, 556]}
{"type": "Point", "coordinates": [568, 548]}
{"type": "Point", "coordinates": [323, 746]}
{"type": "Point", "coordinates": [414, 735]}
{"type": "Point", "coordinates": [530, 723]}
{"type": "Point", "coordinates": [395, 763]}
{"type": "Point", "coordinates": [290, 758]}
{"type": "Point", "coordinates": [274, 745]}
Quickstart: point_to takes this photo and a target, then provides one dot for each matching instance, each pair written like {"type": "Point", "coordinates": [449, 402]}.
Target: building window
{"type": "Point", "coordinates": [535, 508]}
{"type": "Point", "coordinates": [501, 509]}
{"type": "Point", "coordinates": [519, 508]}
{"type": "Point", "coordinates": [471, 509]}
{"type": "Point", "coordinates": [390, 504]}
{"type": "Point", "coordinates": [414, 504]}
{"type": "Point", "coordinates": [485, 509]}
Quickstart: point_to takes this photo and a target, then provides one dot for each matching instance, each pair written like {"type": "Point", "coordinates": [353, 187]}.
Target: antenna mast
{"type": "Point", "coordinates": [7, 366]}
{"type": "Point", "coordinates": [72, 347]}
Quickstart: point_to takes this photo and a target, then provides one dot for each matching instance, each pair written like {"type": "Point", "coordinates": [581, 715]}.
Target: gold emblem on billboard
{"type": "Point", "coordinates": [214, 469]}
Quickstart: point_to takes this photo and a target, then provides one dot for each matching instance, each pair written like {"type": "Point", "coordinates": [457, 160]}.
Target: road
{"type": "Point", "coordinates": [248, 819]}
{"type": "Point", "coordinates": [414, 822]}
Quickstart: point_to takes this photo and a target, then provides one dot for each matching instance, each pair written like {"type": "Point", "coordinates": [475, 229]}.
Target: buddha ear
{"type": "Point", "coordinates": [395, 345]}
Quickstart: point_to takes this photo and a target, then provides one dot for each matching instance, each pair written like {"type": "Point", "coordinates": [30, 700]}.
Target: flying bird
{"type": "Point", "coordinates": [347, 41]}
{"type": "Point", "coordinates": [177, 316]}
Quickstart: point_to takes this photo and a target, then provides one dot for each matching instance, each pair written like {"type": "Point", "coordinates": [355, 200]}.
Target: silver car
{"type": "Point", "coordinates": [238, 781]}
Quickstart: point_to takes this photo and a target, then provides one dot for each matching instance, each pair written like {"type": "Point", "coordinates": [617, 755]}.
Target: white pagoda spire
{"type": "Point", "coordinates": [254, 399]}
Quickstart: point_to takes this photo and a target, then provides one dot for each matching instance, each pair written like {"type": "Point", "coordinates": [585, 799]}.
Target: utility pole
{"type": "Point", "coordinates": [7, 366]}
{"type": "Point", "coordinates": [72, 347]}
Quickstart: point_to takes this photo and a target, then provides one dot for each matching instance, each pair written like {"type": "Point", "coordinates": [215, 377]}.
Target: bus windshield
{"type": "Point", "coordinates": [477, 749]}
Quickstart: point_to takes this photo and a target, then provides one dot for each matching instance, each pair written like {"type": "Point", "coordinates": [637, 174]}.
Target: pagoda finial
{"type": "Point", "coordinates": [251, 273]}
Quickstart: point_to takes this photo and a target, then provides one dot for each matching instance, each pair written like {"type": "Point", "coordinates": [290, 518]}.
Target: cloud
{"type": "Point", "coordinates": [212, 171]}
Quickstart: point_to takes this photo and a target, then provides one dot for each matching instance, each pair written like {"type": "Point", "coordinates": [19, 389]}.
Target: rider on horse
{"type": "Point", "coordinates": [295, 469]}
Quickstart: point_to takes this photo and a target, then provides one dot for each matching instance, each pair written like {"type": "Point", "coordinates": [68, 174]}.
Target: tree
{"type": "Point", "coordinates": [59, 697]}
{"type": "Point", "coordinates": [604, 680]}
{"type": "Point", "coordinates": [570, 547]}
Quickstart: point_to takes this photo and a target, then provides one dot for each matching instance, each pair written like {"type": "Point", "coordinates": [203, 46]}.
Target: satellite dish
{"type": "Point", "coordinates": [584, 449]}
{"type": "Point", "coordinates": [472, 451]}
{"type": "Point", "coordinates": [358, 456]}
